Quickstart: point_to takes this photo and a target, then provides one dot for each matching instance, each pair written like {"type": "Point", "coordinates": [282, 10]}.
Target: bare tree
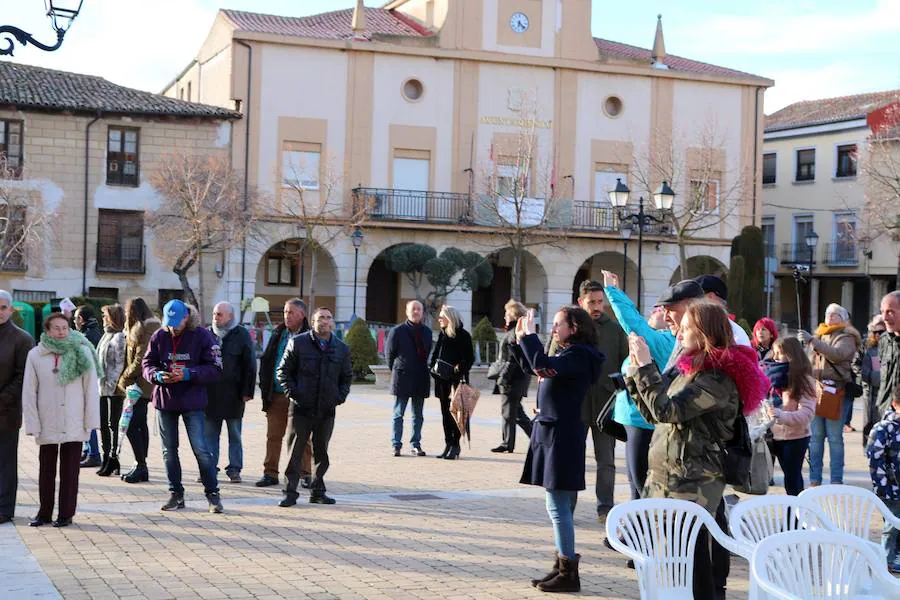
{"type": "Point", "coordinates": [25, 223]}
{"type": "Point", "coordinates": [713, 193]}
{"type": "Point", "coordinates": [203, 210]}
{"type": "Point", "coordinates": [881, 171]}
{"type": "Point", "coordinates": [522, 204]}
{"type": "Point", "coordinates": [312, 202]}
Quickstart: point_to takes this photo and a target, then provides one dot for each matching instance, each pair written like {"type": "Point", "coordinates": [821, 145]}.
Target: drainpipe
{"type": "Point", "coordinates": [246, 155]}
{"type": "Point", "coordinates": [87, 172]}
{"type": "Point", "coordinates": [755, 151]}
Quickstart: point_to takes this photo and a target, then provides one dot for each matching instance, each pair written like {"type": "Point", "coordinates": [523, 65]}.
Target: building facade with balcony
{"type": "Point", "coordinates": [416, 111]}
{"type": "Point", "coordinates": [814, 181]}
{"type": "Point", "coordinates": [76, 152]}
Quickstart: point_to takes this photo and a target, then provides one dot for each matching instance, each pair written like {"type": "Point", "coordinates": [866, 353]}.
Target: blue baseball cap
{"type": "Point", "coordinates": [174, 313]}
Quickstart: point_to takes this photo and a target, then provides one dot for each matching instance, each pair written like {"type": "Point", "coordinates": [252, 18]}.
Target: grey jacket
{"type": "Point", "coordinates": [111, 355]}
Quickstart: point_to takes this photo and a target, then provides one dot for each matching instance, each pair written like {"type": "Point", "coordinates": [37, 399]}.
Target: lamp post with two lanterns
{"type": "Point", "coordinates": [663, 198]}
{"type": "Point", "coordinates": [357, 238]}
{"type": "Point", "coordinates": [61, 14]}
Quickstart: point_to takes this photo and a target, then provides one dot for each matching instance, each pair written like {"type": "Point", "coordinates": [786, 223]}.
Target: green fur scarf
{"type": "Point", "coordinates": [73, 363]}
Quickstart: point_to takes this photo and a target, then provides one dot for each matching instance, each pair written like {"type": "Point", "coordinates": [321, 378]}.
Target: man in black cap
{"type": "Point", "coordinates": [715, 289]}
{"type": "Point", "coordinates": [675, 301]}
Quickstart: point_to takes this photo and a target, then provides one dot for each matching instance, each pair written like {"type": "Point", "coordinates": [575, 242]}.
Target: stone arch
{"type": "Point", "coordinates": [700, 265]}
{"type": "Point", "coordinates": [608, 260]}
{"type": "Point", "coordinates": [488, 302]}
{"type": "Point", "coordinates": [387, 291]}
{"type": "Point", "coordinates": [285, 271]}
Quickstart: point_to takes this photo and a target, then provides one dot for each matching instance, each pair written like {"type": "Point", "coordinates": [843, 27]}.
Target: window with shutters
{"type": "Point", "coordinates": [770, 163]}
{"type": "Point", "coordinates": [120, 241]}
{"type": "Point", "coordinates": [806, 165]}
{"type": "Point", "coordinates": [12, 238]}
{"type": "Point", "coordinates": [11, 148]}
{"type": "Point", "coordinates": [122, 156]}
{"type": "Point", "coordinates": [846, 161]}
{"type": "Point", "coordinates": [705, 196]}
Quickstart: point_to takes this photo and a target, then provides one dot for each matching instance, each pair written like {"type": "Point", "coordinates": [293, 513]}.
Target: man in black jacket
{"type": "Point", "coordinates": [227, 397]}
{"type": "Point", "coordinates": [274, 399]}
{"type": "Point", "coordinates": [316, 373]}
{"type": "Point", "coordinates": [406, 349]}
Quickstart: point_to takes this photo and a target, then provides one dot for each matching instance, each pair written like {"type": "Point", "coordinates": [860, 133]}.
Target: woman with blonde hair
{"type": "Point", "coordinates": [451, 361]}
{"type": "Point", "coordinates": [512, 381]}
{"type": "Point", "coordinates": [111, 354]}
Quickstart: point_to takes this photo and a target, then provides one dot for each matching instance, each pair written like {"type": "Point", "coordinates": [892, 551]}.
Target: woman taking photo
{"type": "Point", "coordinates": [764, 335]}
{"type": "Point", "coordinates": [694, 406]}
{"type": "Point", "coordinates": [451, 361]}
{"type": "Point", "coordinates": [60, 407]}
{"type": "Point", "coordinates": [834, 345]}
{"type": "Point", "coordinates": [111, 355]}
{"type": "Point", "coordinates": [140, 324]}
{"type": "Point", "coordinates": [513, 381]}
{"type": "Point", "coordinates": [792, 419]}
{"type": "Point", "coordinates": [555, 458]}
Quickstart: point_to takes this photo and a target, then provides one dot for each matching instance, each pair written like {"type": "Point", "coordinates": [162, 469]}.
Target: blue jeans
{"type": "Point", "coordinates": [89, 447]}
{"type": "Point", "coordinates": [833, 429]}
{"type": "Point", "coordinates": [194, 422]}
{"type": "Point", "coordinates": [399, 410]}
{"type": "Point", "coordinates": [560, 506]}
{"type": "Point", "coordinates": [213, 430]}
{"type": "Point", "coordinates": [890, 537]}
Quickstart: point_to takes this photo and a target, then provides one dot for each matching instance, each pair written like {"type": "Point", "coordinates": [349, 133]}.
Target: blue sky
{"type": "Point", "coordinates": [812, 49]}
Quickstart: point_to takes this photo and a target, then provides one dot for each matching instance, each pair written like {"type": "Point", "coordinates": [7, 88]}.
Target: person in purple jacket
{"type": "Point", "coordinates": [181, 360]}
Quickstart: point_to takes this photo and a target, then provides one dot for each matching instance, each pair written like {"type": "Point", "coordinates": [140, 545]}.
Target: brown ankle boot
{"type": "Point", "coordinates": [567, 580]}
{"type": "Point", "coordinates": [553, 573]}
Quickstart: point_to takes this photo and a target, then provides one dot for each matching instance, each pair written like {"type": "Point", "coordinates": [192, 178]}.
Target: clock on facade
{"type": "Point", "coordinates": [518, 22]}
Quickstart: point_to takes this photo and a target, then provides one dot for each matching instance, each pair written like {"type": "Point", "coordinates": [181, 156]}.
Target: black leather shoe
{"type": "Point", "coordinates": [321, 499]}
{"type": "Point", "coordinates": [215, 503]}
{"type": "Point", "coordinates": [38, 521]}
{"type": "Point", "coordinates": [90, 461]}
{"type": "Point", "coordinates": [174, 503]}
{"type": "Point", "coordinates": [266, 481]}
{"type": "Point", "coordinates": [62, 522]}
{"type": "Point", "coordinates": [396, 451]}
{"type": "Point", "coordinates": [444, 453]}
{"type": "Point", "coordinates": [137, 475]}
{"type": "Point", "coordinates": [417, 451]}
{"type": "Point", "coordinates": [453, 454]}
{"type": "Point", "coordinates": [501, 448]}
{"type": "Point", "coordinates": [288, 501]}
{"type": "Point", "coordinates": [5, 519]}
{"type": "Point", "coordinates": [305, 481]}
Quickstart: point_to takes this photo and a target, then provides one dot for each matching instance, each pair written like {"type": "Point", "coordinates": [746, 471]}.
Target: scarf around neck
{"type": "Point", "coordinates": [72, 363]}
{"type": "Point", "coordinates": [740, 364]}
{"type": "Point", "coordinates": [824, 329]}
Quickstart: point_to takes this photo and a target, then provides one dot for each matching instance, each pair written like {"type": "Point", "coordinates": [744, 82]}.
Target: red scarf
{"type": "Point", "coordinates": [740, 364]}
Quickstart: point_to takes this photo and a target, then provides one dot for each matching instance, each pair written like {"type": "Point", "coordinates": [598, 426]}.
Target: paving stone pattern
{"type": "Point", "coordinates": [407, 527]}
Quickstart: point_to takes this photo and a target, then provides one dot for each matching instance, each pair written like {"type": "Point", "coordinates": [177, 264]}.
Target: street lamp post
{"type": "Point", "coordinates": [662, 199]}
{"type": "Point", "coordinates": [626, 235]}
{"type": "Point", "coordinates": [61, 14]}
{"type": "Point", "coordinates": [357, 239]}
{"type": "Point", "coordinates": [811, 239]}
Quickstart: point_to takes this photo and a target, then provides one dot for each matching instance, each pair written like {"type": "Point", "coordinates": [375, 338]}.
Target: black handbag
{"type": "Point", "coordinates": [852, 389]}
{"type": "Point", "coordinates": [495, 370]}
{"type": "Point", "coordinates": [607, 424]}
{"type": "Point", "coordinates": [442, 370]}
{"type": "Point", "coordinates": [737, 454]}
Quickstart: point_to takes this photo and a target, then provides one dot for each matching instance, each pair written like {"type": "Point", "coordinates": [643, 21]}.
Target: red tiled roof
{"type": "Point", "coordinates": [334, 25]}
{"type": "Point", "coordinates": [828, 110]}
{"type": "Point", "coordinates": [675, 63]}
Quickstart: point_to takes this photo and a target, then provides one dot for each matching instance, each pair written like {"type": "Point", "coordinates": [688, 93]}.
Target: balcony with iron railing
{"type": "Point", "coordinates": [796, 254]}
{"type": "Point", "coordinates": [842, 254]}
{"type": "Point", "coordinates": [593, 217]}
{"type": "Point", "coordinates": [12, 261]}
{"type": "Point", "coordinates": [385, 204]}
{"type": "Point", "coordinates": [121, 257]}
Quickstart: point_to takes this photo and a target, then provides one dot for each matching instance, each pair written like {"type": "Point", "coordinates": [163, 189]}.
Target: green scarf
{"type": "Point", "coordinates": [73, 363]}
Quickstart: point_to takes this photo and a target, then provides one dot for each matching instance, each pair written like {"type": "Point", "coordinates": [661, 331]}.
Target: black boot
{"type": "Point", "coordinates": [567, 580]}
{"type": "Point", "coordinates": [553, 573]}
{"type": "Point", "coordinates": [103, 462]}
{"type": "Point", "coordinates": [453, 454]}
{"type": "Point", "coordinates": [137, 475]}
{"type": "Point", "coordinates": [444, 453]}
{"type": "Point", "coordinates": [110, 467]}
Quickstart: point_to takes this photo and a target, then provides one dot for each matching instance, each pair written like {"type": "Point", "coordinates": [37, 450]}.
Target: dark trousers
{"type": "Point", "coordinates": [704, 579]}
{"type": "Point", "coordinates": [138, 434]}
{"type": "Point", "coordinates": [637, 449]}
{"type": "Point", "coordinates": [451, 431]}
{"type": "Point", "coordinates": [110, 413]}
{"type": "Point", "coordinates": [790, 455]}
{"type": "Point", "coordinates": [69, 458]}
{"type": "Point", "coordinates": [9, 479]}
{"type": "Point", "coordinates": [605, 456]}
{"type": "Point", "coordinates": [513, 414]}
{"type": "Point", "coordinates": [301, 428]}
{"type": "Point", "coordinates": [721, 558]}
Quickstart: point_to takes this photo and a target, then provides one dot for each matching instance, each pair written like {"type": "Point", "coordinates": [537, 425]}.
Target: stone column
{"type": "Point", "coordinates": [554, 298]}
{"type": "Point", "coordinates": [813, 307]}
{"type": "Point", "coordinates": [879, 288]}
{"type": "Point", "coordinates": [462, 301]}
{"type": "Point", "coordinates": [847, 295]}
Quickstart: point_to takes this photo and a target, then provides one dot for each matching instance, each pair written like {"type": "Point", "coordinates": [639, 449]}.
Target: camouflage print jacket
{"type": "Point", "coordinates": [884, 456]}
{"type": "Point", "coordinates": [692, 414]}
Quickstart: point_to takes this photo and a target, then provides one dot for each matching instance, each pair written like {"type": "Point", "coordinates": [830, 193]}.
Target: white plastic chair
{"type": "Point", "coordinates": [755, 519]}
{"type": "Point", "coordinates": [813, 565]}
{"type": "Point", "coordinates": [659, 535]}
{"type": "Point", "coordinates": [851, 509]}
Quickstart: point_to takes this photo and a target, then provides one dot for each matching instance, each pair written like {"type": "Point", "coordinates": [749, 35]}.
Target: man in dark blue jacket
{"type": "Point", "coordinates": [407, 348]}
{"type": "Point", "coordinates": [181, 360]}
{"type": "Point", "coordinates": [316, 373]}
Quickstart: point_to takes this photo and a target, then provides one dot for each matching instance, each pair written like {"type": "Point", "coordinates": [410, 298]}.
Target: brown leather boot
{"type": "Point", "coordinates": [567, 580]}
{"type": "Point", "coordinates": [553, 573]}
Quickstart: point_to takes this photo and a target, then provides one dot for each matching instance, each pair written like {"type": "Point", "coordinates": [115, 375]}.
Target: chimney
{"type": "Point", "coordinates": [659, 46]}
{"type": "Point", "coordinates": [358, 24]}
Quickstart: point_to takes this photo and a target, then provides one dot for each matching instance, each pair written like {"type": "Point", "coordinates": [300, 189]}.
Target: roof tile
{"type": "Point", "coordinates": [829, 110]}
{"type": "Point", "coordinates": [675, 63]}
{"type": "Point", "coordinates": [335, 25]}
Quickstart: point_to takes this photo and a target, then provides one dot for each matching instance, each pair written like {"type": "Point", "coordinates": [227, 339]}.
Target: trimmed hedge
{"type": "Point", "coordinates": [484, 337]}
{"type": "Point", "coordinates": [363, 351]}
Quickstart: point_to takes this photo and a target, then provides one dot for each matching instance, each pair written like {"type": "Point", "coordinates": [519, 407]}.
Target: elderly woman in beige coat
{"type": "Point", "coordinates": [61, 405]}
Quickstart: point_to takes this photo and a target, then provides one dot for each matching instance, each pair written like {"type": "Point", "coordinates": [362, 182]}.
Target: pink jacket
{"type": "Point", "coordinates": [792, 422]}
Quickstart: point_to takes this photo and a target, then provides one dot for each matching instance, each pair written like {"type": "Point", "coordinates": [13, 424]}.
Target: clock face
{"type": "Point", "coordinates": [518, 22]}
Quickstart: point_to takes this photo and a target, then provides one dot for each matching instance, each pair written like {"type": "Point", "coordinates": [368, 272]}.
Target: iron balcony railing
{"type": "Point", "coordinates": [121, 257]}
{"type": "Point", "coordinates": [842, 254]}
{"type": "Point", "coordinates": [593, 217]}
{"type": "Point", "coordinates": [793, 254]}
{"type": "Point", "coordinates": [413, 205]}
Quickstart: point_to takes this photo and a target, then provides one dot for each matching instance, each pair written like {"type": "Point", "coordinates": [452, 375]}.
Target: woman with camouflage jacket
{"type": "Point", "coordinates": [694, 406]}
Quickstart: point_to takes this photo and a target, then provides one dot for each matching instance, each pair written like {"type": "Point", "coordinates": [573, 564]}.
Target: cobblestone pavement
{"type": "Point", "coordinates": [402, 527]}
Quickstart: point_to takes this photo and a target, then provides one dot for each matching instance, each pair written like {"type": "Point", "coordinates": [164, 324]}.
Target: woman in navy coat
{"type": "Point", "coordinates": [555, 458]}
